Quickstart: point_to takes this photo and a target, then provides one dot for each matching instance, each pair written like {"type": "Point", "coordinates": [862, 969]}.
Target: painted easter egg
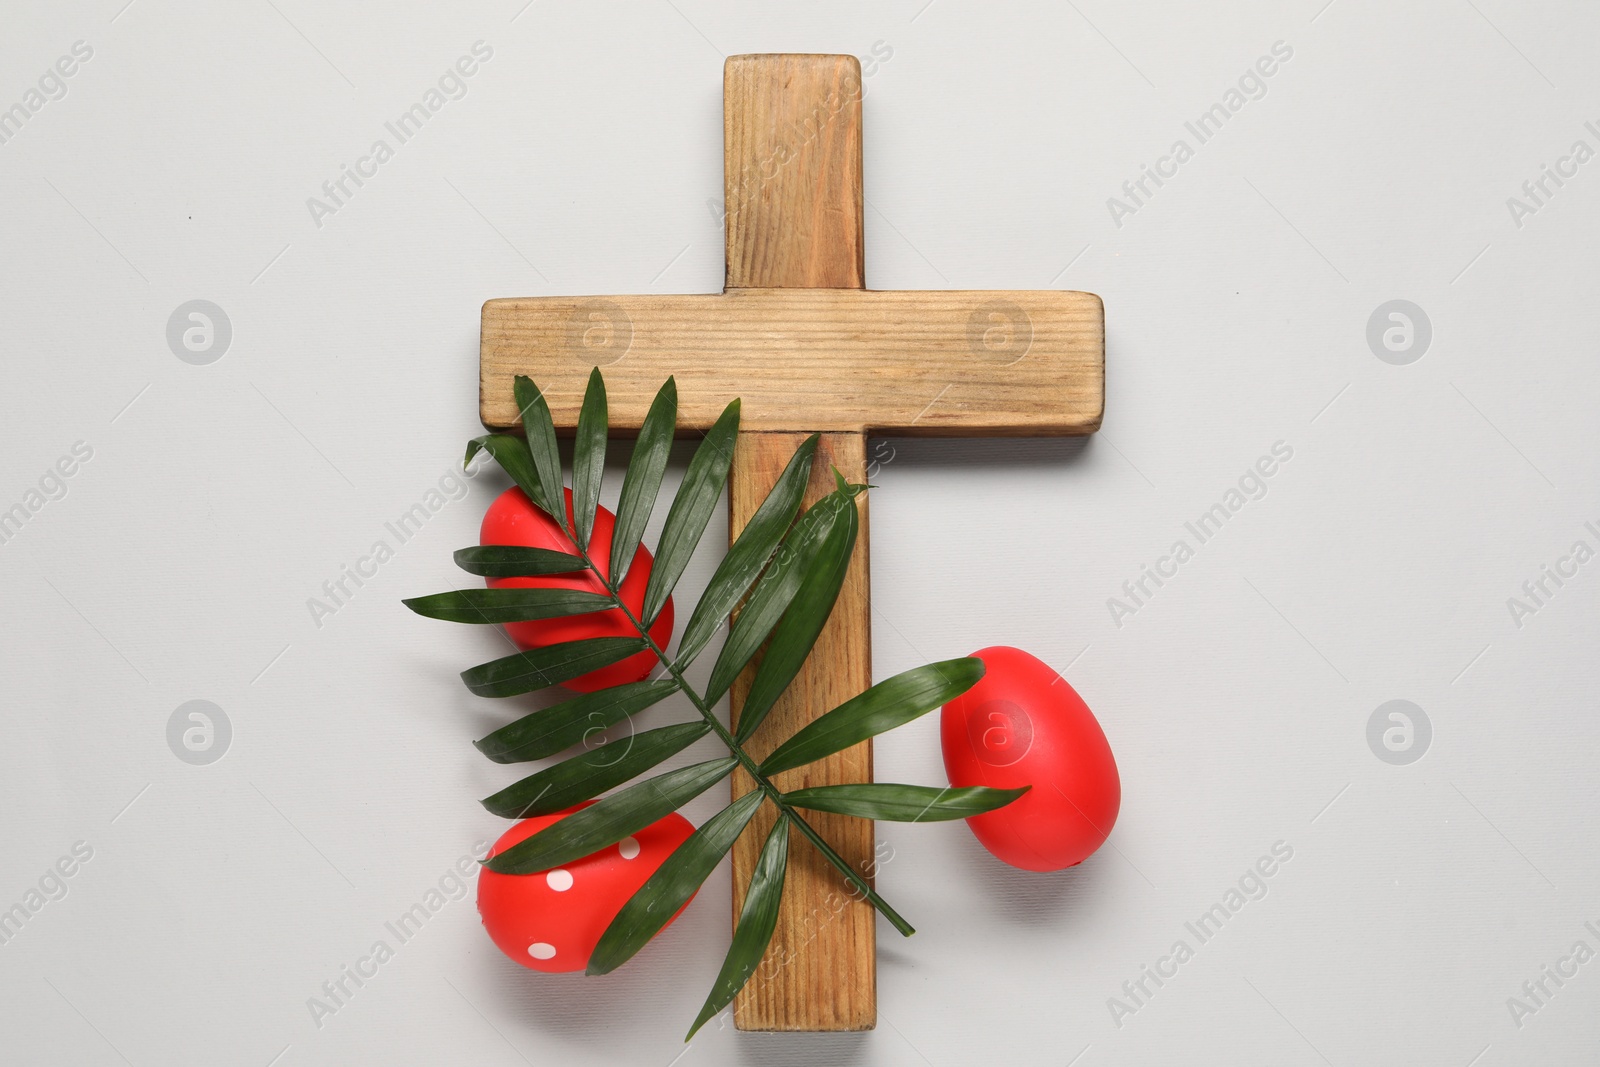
{"type": "Point", "coordinates": [552, 920]}
{"type": "Point", "coordinates": [1022, 724]}
{"type": "Point", "coordinates": [514, 520]}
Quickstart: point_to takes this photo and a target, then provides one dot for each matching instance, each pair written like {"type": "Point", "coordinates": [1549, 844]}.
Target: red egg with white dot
{"type": "Point", "coordinates": [552, 920]}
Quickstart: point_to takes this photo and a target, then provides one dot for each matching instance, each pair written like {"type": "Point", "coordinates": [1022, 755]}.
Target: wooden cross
{"type": "Point", "coordinates": [808, 348]}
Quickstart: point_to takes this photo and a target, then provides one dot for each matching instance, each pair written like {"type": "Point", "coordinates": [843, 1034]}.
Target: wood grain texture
{"type": "Point", "coordinates": [958, 363]}
{"type": "Point", "coordinates": [820, 972]}
{"type": "Point", "coordinates": [792, 171]}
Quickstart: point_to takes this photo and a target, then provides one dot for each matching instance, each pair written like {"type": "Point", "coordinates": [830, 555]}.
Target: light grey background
{"type": "Point", "coordinates": [584, 158]}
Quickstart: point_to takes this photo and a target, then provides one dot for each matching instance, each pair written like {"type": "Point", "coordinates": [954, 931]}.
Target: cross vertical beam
{"type": "Point", "coordinates": [792, 176]}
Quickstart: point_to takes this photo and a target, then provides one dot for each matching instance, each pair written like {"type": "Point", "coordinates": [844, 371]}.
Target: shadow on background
{"type": "Point", "coordinates": [960, 453]}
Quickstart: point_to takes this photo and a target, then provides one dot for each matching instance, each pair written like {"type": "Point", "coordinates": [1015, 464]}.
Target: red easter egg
{"type": "Point", "coordinates": [514, 520]}
{"type": "Point", "coordinates": [552, 920]}
{"type": "Point", "coordinates": [1022, 724]}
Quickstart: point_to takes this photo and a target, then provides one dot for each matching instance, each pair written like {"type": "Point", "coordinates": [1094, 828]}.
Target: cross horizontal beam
{"type": "Point", "coordinates": [957, 363]}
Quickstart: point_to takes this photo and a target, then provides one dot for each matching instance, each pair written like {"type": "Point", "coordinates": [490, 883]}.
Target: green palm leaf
{"type": "Point", "coordinates": [886, 705]}
{"type": "Point", "coordinates": [541, 434]}
{"type": "Point", "coordinates": [513, 456]}
{"type": "Point", "coordinates": [902, 803]}
{"type": "Point", "coordinates": [691, 510]}
{"type": "Point", "coordinates": [674, 882]}
{"type": "Point", "coordinates": [507, 605]}
{"type": "Point", "coordinates": [797, 632]}
{"type": "Point", "coordinates": [591, 773]}
{"type": "Point", "coordinates": [544, 733]}
{"type": "Point", "coordinates": [524, 672]}
{"type": "Point", "coordinates": [642, 481]}
{"type": "Point", "coordinates": [749, 553]}
{"type": "Point", "coordinates": [516, 561]}
{"type": "Point", "coordinates": [757, 920]}
{"type": "Point", "coordinates": [589, 458]}
{"type": "Point", "coordinates": [771, 597]}
{"type": "Point", "coordinates": [788, 574]}
{"type": "Point", "coordinates": [607, 821]}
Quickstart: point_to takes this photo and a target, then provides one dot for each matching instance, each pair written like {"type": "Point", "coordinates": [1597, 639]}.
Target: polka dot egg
{"type": "Point", "coordinates": [552, 920]}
